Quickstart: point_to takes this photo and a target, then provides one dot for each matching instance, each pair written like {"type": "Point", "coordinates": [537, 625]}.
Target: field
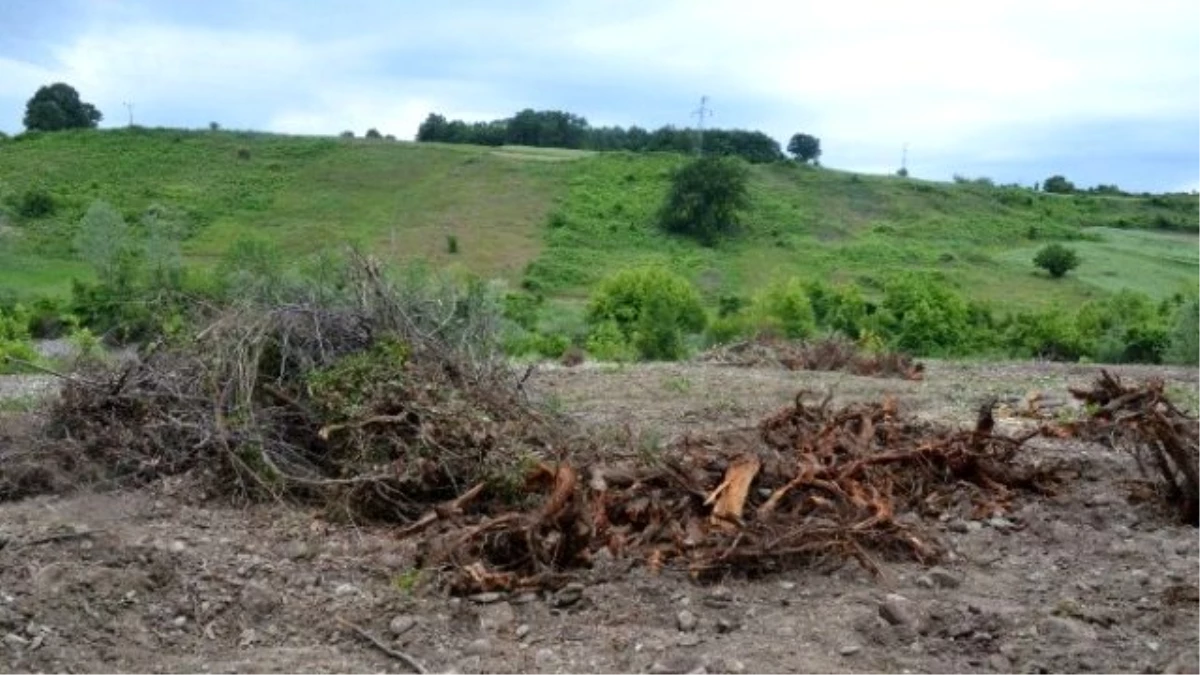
{"type": "Point", "coordinates": [558, 220]}
{"type": "Point", "coordinates": [166, 579]}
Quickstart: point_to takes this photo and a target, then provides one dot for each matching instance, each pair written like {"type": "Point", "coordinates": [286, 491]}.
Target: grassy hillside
{"type": "Point", "coordinates": [559, 220]}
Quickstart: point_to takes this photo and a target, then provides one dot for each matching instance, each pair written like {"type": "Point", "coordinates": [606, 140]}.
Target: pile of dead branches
{"type": "Point", "coordinates": [1162, 438]}
{"type": "Point", "coordinates": [833, 353]}
{"type": "Point", "coordinates": [811, 483]}
{"type": "Point", "coordinates": [379, 403]}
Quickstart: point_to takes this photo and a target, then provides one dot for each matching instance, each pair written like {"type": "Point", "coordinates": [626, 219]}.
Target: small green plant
{"type": "Point", "coordinates": [784, 307]}
{"type": "Point", "coordinates": [678, 384]}
{"type": "Point", "coordinates": [451, 244]}
{"type": "Point", "coordinates": [407, 581]}
{"type": "Point", "coordinates": [1056, 259]}
{"type": "Point", "coordinates": [243, 153]}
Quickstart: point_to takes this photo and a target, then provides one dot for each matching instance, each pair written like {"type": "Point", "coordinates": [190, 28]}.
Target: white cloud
{"type": "Point", "coordinates": [963, 83]}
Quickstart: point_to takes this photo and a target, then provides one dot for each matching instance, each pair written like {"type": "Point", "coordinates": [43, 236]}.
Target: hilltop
{"type": "Point", "coordinates": [558, 220]}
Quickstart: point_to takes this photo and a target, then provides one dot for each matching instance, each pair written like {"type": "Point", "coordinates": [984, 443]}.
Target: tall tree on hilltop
{"type": "Point", "coordinates": [56, 107]}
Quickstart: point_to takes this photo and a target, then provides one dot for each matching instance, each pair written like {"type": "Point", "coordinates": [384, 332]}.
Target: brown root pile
{"type": "Point", "coordinates": [813, 483]}
{"type": "Point", "coordinates": [834, 353]}
{"type": "Point", "coordinates": [1163, 439]}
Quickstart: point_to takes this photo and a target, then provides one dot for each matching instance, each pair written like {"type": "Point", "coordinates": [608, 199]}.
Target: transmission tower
{"type": "Point", "coordinates": [700, 113]}
{"type": "Point", "coordinates": [129, 107]}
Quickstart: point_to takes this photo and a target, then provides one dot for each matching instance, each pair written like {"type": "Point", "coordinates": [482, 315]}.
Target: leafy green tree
{"type": "Point", "coordinates": [1058, 185]}
{"type": "Point", "coordinates": [705, 199]}
{"type": "Point", "coordinates": [1184, 340]}
{"type": "Point", "coordinates": [373, 134]}
{"type": "Point", "coordinates": [56, 107]}
{"type": "Point", "coordinates": [1056, 259]}
{"type": "Point", "coordinates": [103, 240]}
{"type": "Point", "coordinates": [784, 305]}
{"type": "Point", "coordinates": [806, 148]}
{"type": "Point", "coordinates": [650, 308]}
{"type": "Point", "coordinates": [921, 314]}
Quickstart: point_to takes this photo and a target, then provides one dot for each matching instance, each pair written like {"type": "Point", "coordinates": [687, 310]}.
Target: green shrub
{"type": "Point", "coordinates": [659, 334]}
{"type": "Point", "coordinates": [606, 342]}
{"type": "Point", "coordinates": [1183, 345]}
{"type": "Point", "coordinates": [726, 329]}
{"type": "Point", "coordinates": [1056, 259]}
{"type": "Point", "coordinates": [451, 244]}
{"type": "Point", "coordinates": [783, 306]}
{"type": "Point", "coordinates": [252, 267]}
{"type": "Point", "coordinates": [14, 339]}
{"type": "Point", "coordinates": [36, 202]}
{"type": "Point", "coordinates": [705, 199]}
{"type": "Point", "coordinates": [1047, 335]}
{"type": "Point", "coordinates": [627, 297]}
{"type": "Point", "coordinates": [1125, 327]}
{"type": "Point", "coordinates": [922, 315]}
{"type": "Point", "coordinates": [837, 309]}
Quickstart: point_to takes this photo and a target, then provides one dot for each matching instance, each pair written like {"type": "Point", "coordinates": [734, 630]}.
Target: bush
{"type": "Point", "coordinates": [705, 198]}
{"type": "Point", "coordinates": [921, 315]}
{"type": "Point", "coordinates": [783, 306]}
{"type": "Point", "coordinates": [1056, 259]}
{"type": "Point", "coordinates": [650, 308]}
{"type": "Point", "coordinates": [1050, 335]}
{"type": "Point", "coordinates": [1126, 327]}
{"type": "Point", "coordinates": [607, 343]}
{"type": "Point", "coordinates": [451, 244]}
{"type": "Point", "coordinates": [14, 339]}
{"type": "Point", "coordinates": [1058, 185]}
{"type": "Point", "coordinates": [36, 202]}
{"type": "Point", "coordinates": [837, 309]}
{"type": "Point", "coordinates": [1183, 345]}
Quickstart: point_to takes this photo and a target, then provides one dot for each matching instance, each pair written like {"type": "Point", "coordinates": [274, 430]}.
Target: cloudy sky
{"type": "Point", "coordinates": [1102, 92]}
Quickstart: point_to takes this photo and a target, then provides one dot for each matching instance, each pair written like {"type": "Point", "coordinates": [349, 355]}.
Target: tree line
{"type": "Point", "coordinates": [560, 129]}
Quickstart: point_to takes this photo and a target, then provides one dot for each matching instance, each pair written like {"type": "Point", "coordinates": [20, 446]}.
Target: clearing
{"type": "Point", "coordinates": [165, 579]}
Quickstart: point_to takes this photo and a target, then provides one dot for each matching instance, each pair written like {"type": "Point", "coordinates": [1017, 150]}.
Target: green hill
{"type": "Point", "coordinates": [558, 220]}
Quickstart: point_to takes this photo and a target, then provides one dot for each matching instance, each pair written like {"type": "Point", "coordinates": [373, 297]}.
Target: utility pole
{"type": "Point", "coordinates": [129, 107]}
{"type": "Point", "coordinates": [904, 158]}
{"type": "Point", "coordinates": [700, 113]}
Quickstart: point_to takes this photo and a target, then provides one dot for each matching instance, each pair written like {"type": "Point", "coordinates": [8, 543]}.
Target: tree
{"type": "Point", "coordinates": [705, 198]}
{"type": "Point", "coordinates": [56, 107]}
{"type": "Point", "coordinates": [373, 134]}
{"type": "Point", "coordinates": [1058, 185]}
{"type": "Point", "coordinates": [1056, 259]}
{"type": "Point", "coordinates": [347, 134]}
{"type": "Point", "coordinates": [806, 148]}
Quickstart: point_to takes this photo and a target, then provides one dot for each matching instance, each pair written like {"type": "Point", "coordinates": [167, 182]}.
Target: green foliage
{"type": "Point", "coordinates": [1056, 259]}
{"type": "Point", "coordinates": [57, 107]}
{"type": "Point", "coordinates": [14, 339]}
{"type": "Point", "coordinates": [253, 267]}
{"type": "Point", "coordinates": [373, 134]}
{"type": "Point", "coordinates": [659, 333]}
{"type": "Point", "coordinates": [104, 240]}
{"type": "Point", "coordinates": [705, 199]}
{"type": "Point", "coordinates": [1183, 344]}
{"type": "Point", "coordinates": [1058, 185]}
{"type": "Point", "coordinates": [1125, 327]}
{"type": "Point", "coordinates": [805, 148]}
{"type": "Point", "coordinates": [345, 389]}
{"type": "Point", "coordinates": [842, 310]}
{"type": "Point", "coordinates": [922, 315]}
{"type": "Point", "coordinates": [1044, 335]}
{"type": "Point", "coordinates": [451, 244]}
{"type": "Point", "coordinates": [606, 342]}
{"type": "Point", "coordinates": [784, 306]}
{"type": "Point", "coordinates": [628, 297]}
{"type": "Point", "coordinates": [36, 202]}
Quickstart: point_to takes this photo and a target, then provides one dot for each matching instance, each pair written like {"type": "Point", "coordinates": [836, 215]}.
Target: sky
{"type": "Point", "coordinates": [1097, 91]}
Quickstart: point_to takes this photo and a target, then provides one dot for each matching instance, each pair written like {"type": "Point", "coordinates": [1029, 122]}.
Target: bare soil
{"type": "Point", "coordinates": [166, 579]}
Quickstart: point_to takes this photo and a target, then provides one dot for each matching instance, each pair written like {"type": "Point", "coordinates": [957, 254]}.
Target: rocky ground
{"type": "Point", "coordinates": [164, 579]}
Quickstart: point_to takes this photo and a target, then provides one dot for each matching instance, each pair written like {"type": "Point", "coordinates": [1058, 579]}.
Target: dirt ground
{"type": "Point", "coordinates": [162, 579]}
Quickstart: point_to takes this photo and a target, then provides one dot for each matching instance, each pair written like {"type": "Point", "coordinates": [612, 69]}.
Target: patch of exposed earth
{"type": "Point", "coordinates": [163, 579]}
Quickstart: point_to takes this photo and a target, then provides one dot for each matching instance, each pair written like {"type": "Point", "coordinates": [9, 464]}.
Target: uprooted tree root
{"type": "Point", "coordinates": [827, 354]}
{"type": "Point", "coordinates": [1142, 421]}
{"type": "Point", "coordinates": [815, 483]}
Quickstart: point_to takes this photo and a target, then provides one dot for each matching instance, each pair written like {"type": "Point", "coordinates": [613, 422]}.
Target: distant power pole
{"type": "Point", "coordinates": [129, 107]}
{"type": "Point", "coordinates": [700, 113]}
{"type": "Point", "coordinates": [904, 159]}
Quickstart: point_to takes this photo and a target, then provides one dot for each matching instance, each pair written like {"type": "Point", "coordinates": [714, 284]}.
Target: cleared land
{"type": "Point", "coordinates": [164, 579]}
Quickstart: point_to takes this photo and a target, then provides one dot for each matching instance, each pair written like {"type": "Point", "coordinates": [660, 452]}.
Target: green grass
{"type": "Point", "coordinates": [559, 220]}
